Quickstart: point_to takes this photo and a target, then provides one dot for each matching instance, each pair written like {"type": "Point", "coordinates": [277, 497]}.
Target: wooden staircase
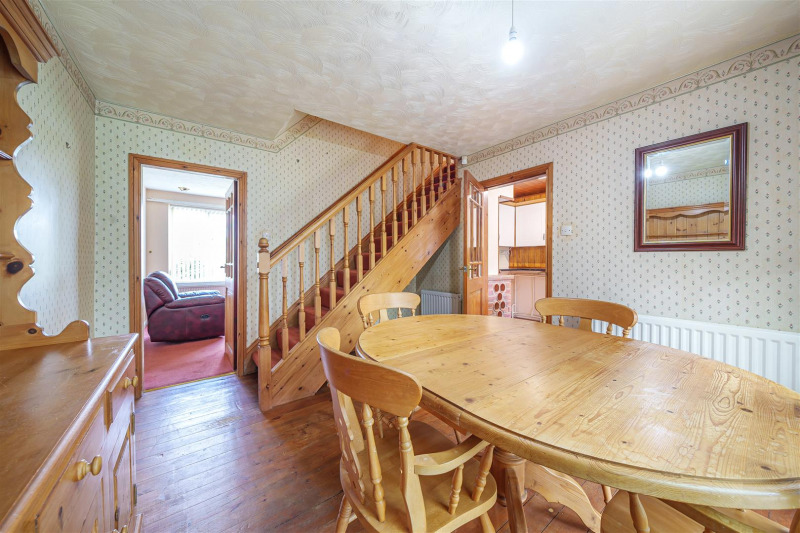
{"type": "Point", "coordinates": [424, 197]}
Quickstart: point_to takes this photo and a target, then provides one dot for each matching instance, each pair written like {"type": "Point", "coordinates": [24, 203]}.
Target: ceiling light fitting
{"type": "Point", "coordinates": [513, 49]}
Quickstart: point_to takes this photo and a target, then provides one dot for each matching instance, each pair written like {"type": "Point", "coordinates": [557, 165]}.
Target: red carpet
{"type": "Point", "coordinates": [169, 363]}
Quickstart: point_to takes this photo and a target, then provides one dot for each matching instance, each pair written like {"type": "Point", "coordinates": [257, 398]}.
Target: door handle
{"type": "Point", "coordinates": [464, 268]}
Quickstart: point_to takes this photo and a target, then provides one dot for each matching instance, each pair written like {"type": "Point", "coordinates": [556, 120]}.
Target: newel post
{"type": "Point", "coordinates": [264, 349]}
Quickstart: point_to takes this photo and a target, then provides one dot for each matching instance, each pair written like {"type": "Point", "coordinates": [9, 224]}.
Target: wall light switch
{"type": "Point", "coordinates": [566, 230]}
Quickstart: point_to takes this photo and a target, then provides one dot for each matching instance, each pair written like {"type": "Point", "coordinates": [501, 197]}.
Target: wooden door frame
{"type": "Point", "coordinates": [135, 294]}
{"type": "Point", "coordinates": [526, 174]}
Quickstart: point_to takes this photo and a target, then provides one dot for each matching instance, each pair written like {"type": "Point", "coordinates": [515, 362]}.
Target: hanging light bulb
{"type": "Point", "coordinates": [513, 49]}
{"type": "Point", "coordinates": [661, 170]}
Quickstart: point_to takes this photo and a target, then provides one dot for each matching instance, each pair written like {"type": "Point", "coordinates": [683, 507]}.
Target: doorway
{"type": "Point", "coordinates": [508, 241]}
{"type": "Point", "coordinates": [187, 279]}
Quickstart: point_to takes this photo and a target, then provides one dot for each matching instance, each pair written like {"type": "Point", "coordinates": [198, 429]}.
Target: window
{"type": "Point", "coordinates": [196, 244]}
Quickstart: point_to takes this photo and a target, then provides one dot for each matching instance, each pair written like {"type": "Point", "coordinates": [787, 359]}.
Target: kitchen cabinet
{"type": "Point", "coordinates": [506, 225]}
{"type": "Point", "coordinates": [530, 224]}
{"type": "Point", "coordinates": [528, 289]}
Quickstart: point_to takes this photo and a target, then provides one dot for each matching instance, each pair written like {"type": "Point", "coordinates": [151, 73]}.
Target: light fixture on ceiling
{"type": "Point", "coordinates": [661, 170]}
{"type": "Point", "coordinates": [183, 189]}
{"type": "Point", "coordinates": [513, 49]}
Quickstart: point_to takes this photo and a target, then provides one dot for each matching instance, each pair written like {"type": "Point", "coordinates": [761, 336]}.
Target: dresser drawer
{"type": "Point", "coordinates": [121, 390]}
{"type": "Point", "coordinates": [77, 502]}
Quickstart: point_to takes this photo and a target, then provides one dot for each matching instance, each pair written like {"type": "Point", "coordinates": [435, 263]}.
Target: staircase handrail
{"type": "Point", "coordinates": [278, 253]}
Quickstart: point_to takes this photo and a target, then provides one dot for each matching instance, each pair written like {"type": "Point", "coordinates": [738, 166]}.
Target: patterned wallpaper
{"type": "Point", "coordinates": [285, 190]}
{"type": "Point", "coordinates": [594, 187]}
{"type": "Point", "coordinates": [59, 164]}
{"type": "Point", "coordinates": [697, 191]}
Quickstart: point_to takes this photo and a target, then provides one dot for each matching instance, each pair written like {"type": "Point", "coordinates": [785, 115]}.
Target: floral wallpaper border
{"type": "Point", "coordinates": [737, 66]}
{"type": "Point", "coordinates": [130, 114]}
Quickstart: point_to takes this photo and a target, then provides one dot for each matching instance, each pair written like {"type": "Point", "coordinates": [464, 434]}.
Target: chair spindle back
{"type": "Point", "coordinates": [374, 308]}
{"type": "Point", "coordinates": [588, 310]}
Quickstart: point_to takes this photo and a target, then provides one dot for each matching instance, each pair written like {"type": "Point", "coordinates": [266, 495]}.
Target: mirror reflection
{"type": "Point", "coordinates": [688, 192]}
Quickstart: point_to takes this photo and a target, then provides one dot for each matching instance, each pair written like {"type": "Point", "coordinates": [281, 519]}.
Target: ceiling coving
{"type": "Point", "coordinates": [429, 72]}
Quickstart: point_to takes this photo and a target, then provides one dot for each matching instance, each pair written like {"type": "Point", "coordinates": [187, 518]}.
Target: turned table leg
{"type": "Point", "coordinates": [556, 487]}
{"type": "Point", "coordinates": [503, 460]}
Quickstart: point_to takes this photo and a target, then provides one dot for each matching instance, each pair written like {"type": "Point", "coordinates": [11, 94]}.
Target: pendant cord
{"type": "Point", "coordinates": [512, 13]}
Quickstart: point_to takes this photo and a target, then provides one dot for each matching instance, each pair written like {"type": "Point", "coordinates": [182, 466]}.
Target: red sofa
{"type": "Point", "coordinates": [184, 316]}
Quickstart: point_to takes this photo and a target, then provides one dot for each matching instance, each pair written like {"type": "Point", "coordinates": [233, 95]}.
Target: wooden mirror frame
{"type": "Point", "coordinates": [738, 205]}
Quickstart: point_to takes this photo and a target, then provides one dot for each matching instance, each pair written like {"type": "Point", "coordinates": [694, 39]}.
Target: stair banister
{"type": "Point", "coordinates": [404, 166]}
{"type": "Point", "coordinates": [320, 220]}
{"type": "Point", "coordinates": [264, 349]}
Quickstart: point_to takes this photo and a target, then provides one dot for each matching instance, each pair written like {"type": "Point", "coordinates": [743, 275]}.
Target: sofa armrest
{"type": "Point", "coordinates": [195, 301]}
{"type": "Point", "coordinates": [192, 294]}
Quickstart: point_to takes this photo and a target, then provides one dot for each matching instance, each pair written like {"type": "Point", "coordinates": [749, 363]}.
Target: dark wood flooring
{"type": "Point", "coordinates": [208, 460]}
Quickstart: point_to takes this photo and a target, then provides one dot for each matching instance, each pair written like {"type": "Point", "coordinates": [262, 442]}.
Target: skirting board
{"type": "Point", "coordinates": [769, 353]}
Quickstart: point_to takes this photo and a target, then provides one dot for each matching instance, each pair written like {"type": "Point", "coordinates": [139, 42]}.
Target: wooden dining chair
{"type": "Point", "coordinates": [412, 478]}
{"type": "Point", "coordinates": [633, 513]}
{"type": "Point", "coordinates": [374, 308]}
{"type": "Point", "coordinates": [588, 310]}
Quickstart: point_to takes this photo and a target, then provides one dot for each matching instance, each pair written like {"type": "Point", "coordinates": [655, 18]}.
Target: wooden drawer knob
{"type": "Point", "coordinates": [83, 467]}
{"type": "Point", "coordinates": [96, 466]}
{"type": "Point", "coordinates": [127, 382]}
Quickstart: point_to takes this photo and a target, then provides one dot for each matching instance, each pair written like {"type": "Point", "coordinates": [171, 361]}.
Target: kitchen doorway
{"type": "Point", "coordinates": [520, 241]}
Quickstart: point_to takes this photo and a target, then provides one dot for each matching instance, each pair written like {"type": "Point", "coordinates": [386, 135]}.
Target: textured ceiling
{"type": "Point", "coordinates": [428, 72]}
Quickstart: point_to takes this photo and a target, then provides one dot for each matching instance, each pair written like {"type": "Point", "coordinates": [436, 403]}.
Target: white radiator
{"type": "Point", "coordinates": [440, 303]}
{"type": "Point", "coordinates": [772, 354]}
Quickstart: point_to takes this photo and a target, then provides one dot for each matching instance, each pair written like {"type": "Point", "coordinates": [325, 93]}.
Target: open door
{"type": "Point", "coordinates": [476, 298]}
{"type": "Point", "coordinates": [231, 242]}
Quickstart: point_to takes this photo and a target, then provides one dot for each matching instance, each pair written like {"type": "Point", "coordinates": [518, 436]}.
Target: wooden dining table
{"type": "Point", "coordinates": [560, 402]}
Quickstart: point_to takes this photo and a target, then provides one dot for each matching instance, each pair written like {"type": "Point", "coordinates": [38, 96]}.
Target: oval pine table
{"type": "Point", "coordinates": [624, 413]}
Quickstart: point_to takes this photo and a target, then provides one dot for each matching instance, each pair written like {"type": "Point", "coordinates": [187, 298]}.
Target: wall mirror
{"type": "Point", "coordinates": [690, 192]}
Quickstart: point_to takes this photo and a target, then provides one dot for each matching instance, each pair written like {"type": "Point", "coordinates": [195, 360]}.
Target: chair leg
{"type": "Point", "coordinates": [607, 493]}
{"type": "Point", "coordinates": [486, 523]}
{"type": "Point", "coordinates": [345, 510]}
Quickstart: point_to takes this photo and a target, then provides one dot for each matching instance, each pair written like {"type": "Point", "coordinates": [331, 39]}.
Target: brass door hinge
{"type": "Point", "coordinates": [135, 494]}
{"type": "Point", "coordinates": [133, 422]}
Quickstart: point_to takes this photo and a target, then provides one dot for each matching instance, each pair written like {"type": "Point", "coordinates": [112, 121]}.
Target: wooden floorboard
{"type": "Point", "coordinates": [208, 460]}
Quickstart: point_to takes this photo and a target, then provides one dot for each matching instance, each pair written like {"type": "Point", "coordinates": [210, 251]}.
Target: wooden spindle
{"type": "Point", "coordinates": [264, 348]}
{"type": "Point", "coordinates": [422, 177]}
{"type": "Point", "coordinates": [395, 237]}
{"type": "Point", "coordinates": [640, 523]}
{"type": "Point", "coordinates": [285, 308]}
{"type": "Point", "coordinates": [441, 174]}
{"type": "Point", "coordinates": [383, 215]}
{"type": "Point", "coordinates": [455, 490]}
{"type": "Point", "coordinates": [346, 223]}
{"type": "Point", "coordinates": [301, 313]}
{"type": "Point", "coordinates": [434, 169]}
{"type": "Point", "coordinates": [359, 258]}
{"type": "Point", "coordinates": [332, 281]}
{"type": "Point", "coordinates": [414, 171]}
{"type": "Point", "coordinates": [483, 472]}
{"type": "Point", "coordinates": [405, 195]}
{"type": "Point", "coordinates": [317, 295]}
{"type": "Point", "coordinates": [409, 482]}
{"type": "Point", "coordinates": [429, 178]}
{"type": "Point", "coordinates": [372, 226]}
{"type": "Point", "coordinates": [795, 526]}
{"type": "Point", "coordinates": [374, 464]}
